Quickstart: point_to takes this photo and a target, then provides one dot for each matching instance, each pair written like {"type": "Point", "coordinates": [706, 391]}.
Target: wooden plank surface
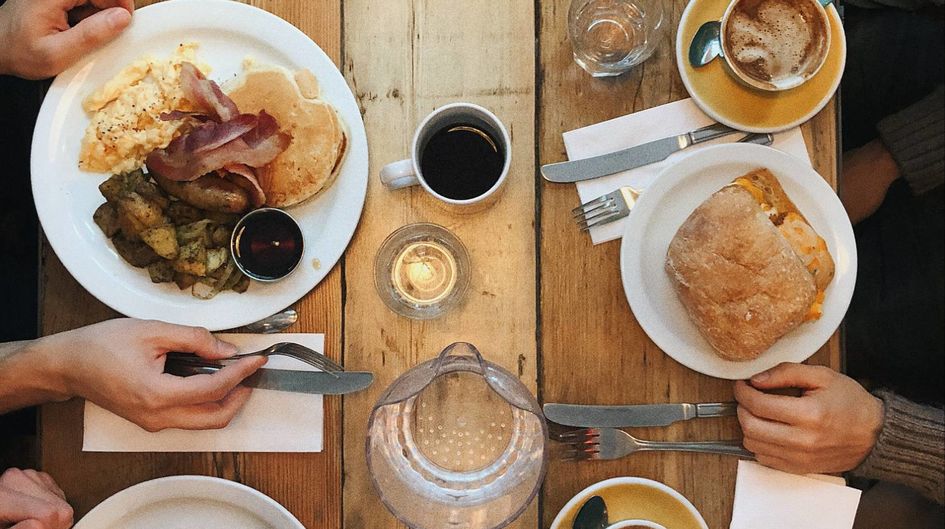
{"type": "Point", "coordinates": [309, 485]}
{"type": "Point", "coordinates": [404, 59]}
{"type": "Point", "coordinates": [540, 294]}
{"type": "Point", "coordinates": [584, 317]}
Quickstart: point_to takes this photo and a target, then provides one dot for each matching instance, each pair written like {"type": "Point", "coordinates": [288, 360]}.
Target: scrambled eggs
{"type": "Point", "coordinates": [125, 112]}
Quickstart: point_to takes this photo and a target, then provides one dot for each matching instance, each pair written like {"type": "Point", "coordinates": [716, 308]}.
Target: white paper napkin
{"type": "Point", "coordinates": [635, 129]}
{"type": "Point", "coordinates": [271, 421]}
{"type": "Point", "coordinates": [771, 499]}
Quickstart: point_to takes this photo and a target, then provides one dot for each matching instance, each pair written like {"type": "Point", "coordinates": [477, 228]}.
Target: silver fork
{"type": "Point", "coordinates": [617, 204]}
{"type": "Point", "coordinates": [611, 443]}
{"type": "Point", "coordinates": [289, 349]}
{"type": "Point", "coordinates": [605, 208]}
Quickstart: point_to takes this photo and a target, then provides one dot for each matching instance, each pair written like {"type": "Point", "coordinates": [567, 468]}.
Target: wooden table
{"type": "Point", "coordinates": [543, 301]}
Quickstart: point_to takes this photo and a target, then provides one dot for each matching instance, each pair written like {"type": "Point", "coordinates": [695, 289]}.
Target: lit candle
{"type": "Point", "coordinates": [424, 272]}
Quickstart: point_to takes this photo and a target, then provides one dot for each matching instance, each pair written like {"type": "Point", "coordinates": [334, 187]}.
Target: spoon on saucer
{"type": "Point", "coordinates": [706, 45]}
{"type": "Point", "coordinates": [593, 515]}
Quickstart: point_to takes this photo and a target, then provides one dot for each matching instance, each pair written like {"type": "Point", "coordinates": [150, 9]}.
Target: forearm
{"type": "Point", "coordinates": [29, 375]}
{"type": "Point", "coordinates": [910, 449]}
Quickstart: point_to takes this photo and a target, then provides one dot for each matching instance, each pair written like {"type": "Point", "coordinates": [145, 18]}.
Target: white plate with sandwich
{"type": "Point", "coordinates": [185, 502]}
{"type": "Point", "coordinates": [228, 41]}
{"type": "Point", "coordinates": [738, 258]}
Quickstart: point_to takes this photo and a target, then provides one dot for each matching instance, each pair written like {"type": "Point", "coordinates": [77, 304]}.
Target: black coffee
{"type": "Point", "coordinates": [462, 161]}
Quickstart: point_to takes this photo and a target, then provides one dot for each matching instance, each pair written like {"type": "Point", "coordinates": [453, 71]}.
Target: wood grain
{"type": "Point", "coordinates": [404, 59]}
{"type": "Point", "coordinates": [309, 485]}
{"type": "Point", "coordinates": [584, 317]}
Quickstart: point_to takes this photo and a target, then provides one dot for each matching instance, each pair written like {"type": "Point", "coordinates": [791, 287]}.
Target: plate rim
{"type": "Point", "coordinates": [681, 56]}
{"type": "Point", "coordinates": [128, 494]}
{"type": "Point", "coordinates": [92, 278]}
{"type": "Point", "coordinates": [730, 153]}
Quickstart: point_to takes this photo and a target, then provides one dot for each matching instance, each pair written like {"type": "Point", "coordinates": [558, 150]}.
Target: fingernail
{"type": "Point", "coordinates": [761, 377]}
{"type": "Point", "coordinates": [118, 16]}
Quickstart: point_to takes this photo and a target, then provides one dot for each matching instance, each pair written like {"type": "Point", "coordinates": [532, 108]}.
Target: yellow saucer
{"type": "Point", "coordinates": [630, 498]}
{"type": "Point", "coordinates": [727, 101]}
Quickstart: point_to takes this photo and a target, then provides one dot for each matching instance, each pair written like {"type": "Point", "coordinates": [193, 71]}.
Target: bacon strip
{"type": "Point", "coordinates": [206, 94]}
{"type": "Point", "coordinates": [245, 177]}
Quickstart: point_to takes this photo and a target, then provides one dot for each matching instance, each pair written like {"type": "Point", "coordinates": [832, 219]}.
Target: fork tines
{"type": "Point", "coordinates": [310, 356]}
{"type": "Point", "coordinates": [605, 208]}
{"type": "Point", "coordinates": [581, 444]}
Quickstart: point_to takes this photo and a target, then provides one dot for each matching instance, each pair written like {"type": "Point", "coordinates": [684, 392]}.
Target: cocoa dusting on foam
{"type": "Point", "coordinates": [776, 41]}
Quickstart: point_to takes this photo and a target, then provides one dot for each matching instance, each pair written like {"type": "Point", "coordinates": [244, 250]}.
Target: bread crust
{"type": "Point", "coordinates": [737, 276]}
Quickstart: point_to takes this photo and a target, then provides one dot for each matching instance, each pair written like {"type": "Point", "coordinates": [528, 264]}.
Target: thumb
{"type": "Point", "coordinates": [789, 375]}
{"type": "Point", "coordinates": [67, 47]}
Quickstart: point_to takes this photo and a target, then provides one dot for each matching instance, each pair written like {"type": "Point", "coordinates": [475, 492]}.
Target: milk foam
{"type": "Point", "coordinates": [779, 41]}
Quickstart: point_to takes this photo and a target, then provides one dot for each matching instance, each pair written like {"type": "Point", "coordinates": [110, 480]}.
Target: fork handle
{"type": "Point", "coordinates": [731, 448]}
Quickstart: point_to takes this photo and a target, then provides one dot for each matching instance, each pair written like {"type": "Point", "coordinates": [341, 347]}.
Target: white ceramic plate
{"type": "Point", "coordinates": [663, 208]}
{"type": "Point", "coordinates": [187, 502]}
{"type": "Point", "coordinates": [66, 197]}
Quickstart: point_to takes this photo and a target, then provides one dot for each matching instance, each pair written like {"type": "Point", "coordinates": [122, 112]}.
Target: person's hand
{"type": "Point", "coordinates": [867, 174]}
{"type": "Point", "coordinates": [44, 37]}
{"type": "Point", "coordinates": [32, 500]}
{"type": "Point", "coordinates": [119, 365]}
{"type": "Point", "coordinates": [831, 427]}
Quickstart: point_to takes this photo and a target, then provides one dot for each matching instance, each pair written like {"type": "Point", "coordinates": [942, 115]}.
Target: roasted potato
{"type": "Point", "coordinates": [135, 252]}
{"type": "Point", "coordinates": [163, 239]}
{"type": "Point", "coordinates": [183, 213]}
{"type": "Point", "coordinates": [107, 219]}
{"type": "Point", "coordinates": [173, 239]}
{"type": "Point", "coordinates": [216, 257]}
{"type": "Point", "coordinates": [184, 280]}
{"type": "Point", "coordinates": [161, 271]}
{"type": "Point", "coordinates": [145, 211]}
{"type": "Point", "coordinates": [192, 259]}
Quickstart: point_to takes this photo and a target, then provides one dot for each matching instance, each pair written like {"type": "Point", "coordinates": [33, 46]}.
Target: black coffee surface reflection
{"type": "Point", "coordinates": [462, 161]}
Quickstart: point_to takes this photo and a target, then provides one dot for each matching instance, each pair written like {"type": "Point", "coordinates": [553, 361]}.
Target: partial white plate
{"type": "Point", "coordinates": [187, 502]}
{"type": "Point", "coordinates": [663, 208]}
{"type": "Point", "coordinates": [66, 197]}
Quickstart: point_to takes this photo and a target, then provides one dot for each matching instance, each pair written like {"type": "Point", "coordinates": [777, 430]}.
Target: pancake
{"type": "Point", "coordinates": [312, 161]}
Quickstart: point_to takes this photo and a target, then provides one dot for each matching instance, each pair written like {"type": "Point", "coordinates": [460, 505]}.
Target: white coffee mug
{"type": "Point", "coordinates": [635, 524]}
{"type": "Point", "coordinates": [407, 172]}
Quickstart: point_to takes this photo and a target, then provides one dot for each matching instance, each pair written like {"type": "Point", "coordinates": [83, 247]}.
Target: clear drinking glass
{"type": "Point", "coordinates": [609, 37]}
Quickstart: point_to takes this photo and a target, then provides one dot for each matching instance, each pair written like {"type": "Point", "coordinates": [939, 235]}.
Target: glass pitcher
{"type": "Point", "coordinates": [457, 442]}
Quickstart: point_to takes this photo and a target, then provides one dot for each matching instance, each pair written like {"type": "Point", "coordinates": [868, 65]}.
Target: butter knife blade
{"type": "Point", "coordinates": [314, 382]}
{"type": "Point", "coordinates": [631, 158]}
{"type": "Point", "coordinates": [637, 415]}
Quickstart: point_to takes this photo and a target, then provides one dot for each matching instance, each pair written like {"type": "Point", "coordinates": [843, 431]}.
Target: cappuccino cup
{"type": "Point", "coordinates": [774, 45]}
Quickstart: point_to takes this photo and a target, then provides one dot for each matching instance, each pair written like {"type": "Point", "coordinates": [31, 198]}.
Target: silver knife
{"type": "Point", "coordinates": [654, 151]}
{"type": "Point", "coordinates": [316, 382]}
{"type": "Point", "coordinates": [633, 415]}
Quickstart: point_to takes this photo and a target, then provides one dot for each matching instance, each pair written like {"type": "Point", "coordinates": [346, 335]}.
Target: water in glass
{"type": "Point", "coordinates": [609, 37]}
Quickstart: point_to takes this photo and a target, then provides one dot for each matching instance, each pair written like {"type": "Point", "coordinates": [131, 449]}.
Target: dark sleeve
{"type": "Point", "coordinates": [916, 138]}
{"type": "Point", "coordinates": [910, 449]}
{"type": "Point", "coordinates": [908, 5]}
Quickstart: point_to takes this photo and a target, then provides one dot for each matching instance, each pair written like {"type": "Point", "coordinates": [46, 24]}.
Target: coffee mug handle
{"type": "Point", "coordinates": [399, 174]}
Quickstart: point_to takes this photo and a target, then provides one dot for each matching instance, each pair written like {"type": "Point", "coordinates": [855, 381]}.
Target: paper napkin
{"type": "Point", "coordinates": [772, 499]}
{"type": "Point", "coordinates": [271, 421]}
{"type": "Point", "coordinates": [635, 129]}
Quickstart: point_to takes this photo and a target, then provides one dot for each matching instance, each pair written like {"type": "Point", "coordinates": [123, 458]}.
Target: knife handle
{"type": "Point", "coordinates": [716, 409]}
{"type": "Point", "coordinates": [711, 132]}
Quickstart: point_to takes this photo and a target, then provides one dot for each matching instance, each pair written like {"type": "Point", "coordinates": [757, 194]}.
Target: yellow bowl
{"type": "Point", "coordinates": [635, 498]}
{"type": "Point", "coordinates": [728, 101]}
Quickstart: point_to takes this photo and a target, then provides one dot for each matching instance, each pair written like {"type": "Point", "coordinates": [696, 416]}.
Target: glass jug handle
{"type": "Point", "coordinates": [460, 350]}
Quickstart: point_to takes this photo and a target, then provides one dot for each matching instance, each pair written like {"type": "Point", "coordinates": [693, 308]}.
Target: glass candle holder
{"type": "Point", "coordinates": [421, 271]}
